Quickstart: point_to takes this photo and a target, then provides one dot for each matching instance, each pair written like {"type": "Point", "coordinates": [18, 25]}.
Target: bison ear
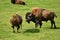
{"type": "Point", "coordinates": [30, 15]}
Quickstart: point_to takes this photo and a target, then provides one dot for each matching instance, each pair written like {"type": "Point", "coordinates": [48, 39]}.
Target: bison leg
{"type": "Point", "coordinates": [36, 24]}
{"type": "Point", "coordinates": [53, 22]}
{"type": "Point", "coordinates": [18, 28]}
{"type": "Point", "coordinates": [21, 26]}
{"type": "Point", "coordinates": [13, 29]}
{"type": "Point", "coordinates": [40, 24]}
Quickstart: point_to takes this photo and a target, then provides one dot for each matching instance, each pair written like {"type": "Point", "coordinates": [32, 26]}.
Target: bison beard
{"type": "Point", "coordinates": [16, 20]}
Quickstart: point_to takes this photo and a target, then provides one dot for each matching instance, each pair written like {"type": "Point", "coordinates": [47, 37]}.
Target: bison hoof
{"type": "Point", "coordinates": [40, 27]}
{"type": "Point", "coordinates": [13, 31]}
{"type": "Point", "coordinates": [54, 27]}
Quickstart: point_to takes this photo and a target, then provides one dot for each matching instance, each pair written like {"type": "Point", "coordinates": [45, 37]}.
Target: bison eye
{"type": "Point", "coordinates": [29, 15]}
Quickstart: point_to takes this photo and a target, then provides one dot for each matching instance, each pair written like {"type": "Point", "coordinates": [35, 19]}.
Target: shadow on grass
{"type": "Point", "coordinates": [54, 28]}
{"type": "Point", "coordinates": [32, 31]}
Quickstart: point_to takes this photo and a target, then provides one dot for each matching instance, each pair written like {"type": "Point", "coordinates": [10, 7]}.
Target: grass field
{"type": "Point", "coordinates": [28, 31]}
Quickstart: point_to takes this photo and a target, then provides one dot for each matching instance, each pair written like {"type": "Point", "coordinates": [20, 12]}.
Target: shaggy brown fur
{"type": "Point", "coordinates": [38, 15]}
{"type": "Point", "coordinates": [18, 2]}
{"type": "Point", "coordinates": [16, 20]}
{"type": "Point", "coordinates": [36, 11]}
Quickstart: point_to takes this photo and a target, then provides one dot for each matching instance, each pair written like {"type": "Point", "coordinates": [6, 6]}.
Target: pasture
{"type": "Point", "coordinates": [28, 32]}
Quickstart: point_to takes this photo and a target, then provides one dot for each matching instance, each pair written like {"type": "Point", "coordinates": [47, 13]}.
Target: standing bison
{"type": "Point", "coordinates": [18, 2]}
{"type": "Point", "coordinates": [16, 20]}
{"type": "Point", "coordinates": [32, 18]}
{"type": "Point", "coordinates": [38, 15]}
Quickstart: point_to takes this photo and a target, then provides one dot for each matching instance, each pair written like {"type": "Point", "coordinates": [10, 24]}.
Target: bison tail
{"type": "Point", "coordinates": [55, 15]}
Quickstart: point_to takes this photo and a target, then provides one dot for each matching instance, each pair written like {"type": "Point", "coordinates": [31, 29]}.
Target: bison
{"type": "Point", "coordinates": [42, 15]}
{"type": "Point", "coordinates": [18, 2]}
{"type": "Point", "coordinates": [32, 18]}
{"type": "Point", "coordinates": [16, 20]}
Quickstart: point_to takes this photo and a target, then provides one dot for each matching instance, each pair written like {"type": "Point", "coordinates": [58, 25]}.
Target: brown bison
{"type": "Point", "coordinates": [16, 20]}
{"type": "Point", "coordinates": [18, 2]}
{"type": "Point", "coordinates": [38, 15]}
{"type": "Point", "coordinates": [32, 18]}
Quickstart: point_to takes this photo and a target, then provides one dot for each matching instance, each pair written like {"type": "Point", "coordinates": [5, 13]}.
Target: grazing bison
{"type": "Point", "coordinates": [18, 2]}
{"type": "Point", "coordinates": [42, 15]}
{"type": "Point", "coordinates": [16, 20]}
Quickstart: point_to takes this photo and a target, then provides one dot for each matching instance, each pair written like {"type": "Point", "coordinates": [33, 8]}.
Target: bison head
{"type": "Point", "coordinates": [28, 17]}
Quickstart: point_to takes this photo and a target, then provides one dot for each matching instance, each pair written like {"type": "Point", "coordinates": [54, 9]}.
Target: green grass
{"type": "Point", "coordinates": [28, 32]}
